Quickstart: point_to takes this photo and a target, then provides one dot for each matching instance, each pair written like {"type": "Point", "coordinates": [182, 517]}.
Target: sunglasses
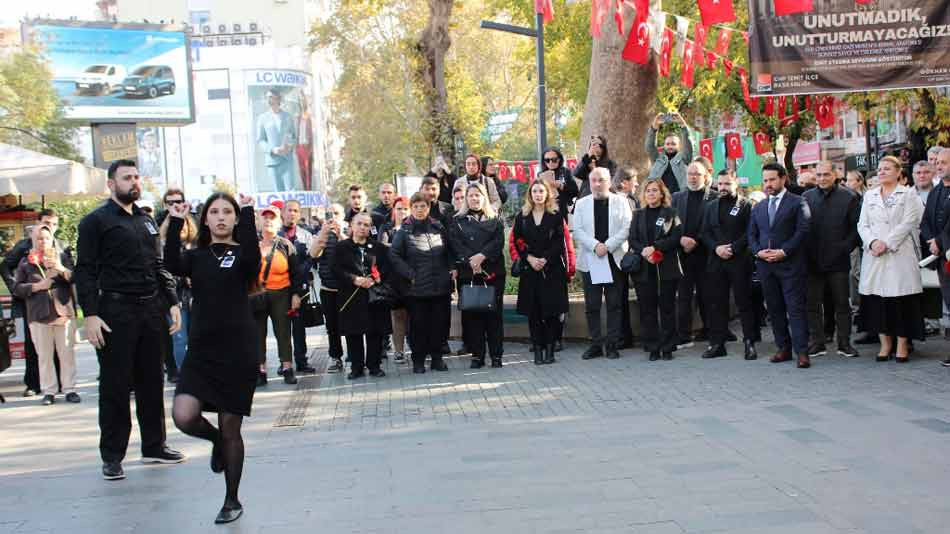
{"type": "Point", "coordinates": [174, 202]}
{"type": "Point", "coordinates": [550, 160]}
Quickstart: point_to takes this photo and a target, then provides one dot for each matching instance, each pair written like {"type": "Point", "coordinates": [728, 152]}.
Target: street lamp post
{"type": "Point", "coordinates": [538, 35]}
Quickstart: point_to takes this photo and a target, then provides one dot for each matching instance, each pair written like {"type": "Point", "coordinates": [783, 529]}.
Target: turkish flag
{"type": "Point", "coordinates": [788, 121]}
{"type": "Point", "coordinates": [733, 146]}
{"type": "Point", "coordinates": [745, 37]}
{"type": "Point", "coordinates": [711, 60]}
{"type": "Point", "coordinates": [699, 44]}
{"type": "Point", "coordinates": [545, 7]}
{"type": "Point", "coordinates": [744, 82]}
{"type": "Point", "coordinates": [726, 64]}
{"type": "Point", "coordinates": [666, 51]}
{"type": "Point", "coordinates": [504, 173]}
{"type": "Point", "coordinates": [790, 7]}
{"type": "Point", "coordinates": [753, 104]}
{"type": "Point", "coordinates": [706, 149]}
{"type": "Point", "coordinates": [762, 143]}
{"type": "Point", "coordinates": [716, 11]}
{"type": "Point", "coordinates": [520, 174]}
{"type": "Point", "coordinates": [782, 104]}
{"type": "Point", "coordinates": [769, 106]}
{"type": "Point", "coordinates": [825, 112]}
{"type": "Point", "coordinates": [689, 63]}
{"type": "Point", "coordinates": [637, 48]}
{"type": "Point", "coordinates": [722, 42]}
{"type": "Point", "coordinates": [808, 102]}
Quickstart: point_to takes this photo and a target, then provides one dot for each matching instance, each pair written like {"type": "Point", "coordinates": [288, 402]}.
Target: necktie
{"type": "Point", "coordinates": [773, 206]}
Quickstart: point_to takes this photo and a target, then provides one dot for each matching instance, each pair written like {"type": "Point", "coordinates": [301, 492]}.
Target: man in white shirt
{"type": "Point", "coordinates": [601, 226]}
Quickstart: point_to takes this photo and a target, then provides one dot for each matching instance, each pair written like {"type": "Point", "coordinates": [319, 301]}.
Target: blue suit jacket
{"type": "Point", "coordinates": [787, 232]}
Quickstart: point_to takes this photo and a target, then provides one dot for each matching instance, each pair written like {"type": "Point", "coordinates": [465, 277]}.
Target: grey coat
{"type": "Point", "coordinates": [660, 160]}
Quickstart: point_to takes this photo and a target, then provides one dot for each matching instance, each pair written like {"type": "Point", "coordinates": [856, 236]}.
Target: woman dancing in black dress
{"type": "Point", "coordinates": [220, 372]}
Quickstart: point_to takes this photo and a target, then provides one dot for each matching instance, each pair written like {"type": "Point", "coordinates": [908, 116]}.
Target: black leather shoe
{"type": "Point", "coordinates": [549, 354]}
{"type": "Point", "coordinates": [667, 355]}
{"type": "Point", "coordinates": [845, 349]}
{"type": "Point", "coordinates": [538, 355]}
{"type": "Point", "coordinates": [437, 364]}
{"type": "Point", "coordinates": [594, 351]}
{"type": "Point", "coordinates": [73, 397]}
{"type": "Point", "coordinates": [816, 349]}
{"type": "Point", "coordinates": [289, 377]}
{"type": "Point", "coordinates": [750, 352]}
{"type": "Point", "coordinates": [654, 355]}
{"type": "Point", "coordinates": [163, 456]}
{"type": "Point", "coordinates": [477, 363]}
{"type": "Point", "coordinates": [715, 351]}
{"type": "Point", "coordinates": [306, 369]}
{"type": "Point", "coordinates": [228, 514]}
{"type": "Point", "coordinates": [112, 471]}
{"type": "Point", "coordinates": [48, 400]}
{"type": "Point", "coordinates": [496, 363]}
{"type": "Point", "coordinates": [354, 375]}
{"type": "Point", "coordinates": [612, 353]}
{"type": "Point", "coordinates": [377, 373]}
{"type": "Point", "coordinates": [336, 366]}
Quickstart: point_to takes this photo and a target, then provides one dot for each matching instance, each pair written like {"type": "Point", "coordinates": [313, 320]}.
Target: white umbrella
{"type": "Point", "coordinates": [25, 172]}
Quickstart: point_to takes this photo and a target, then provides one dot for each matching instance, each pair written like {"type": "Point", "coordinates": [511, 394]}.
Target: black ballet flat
{"type": "Point", "coordinates": [229, 514]}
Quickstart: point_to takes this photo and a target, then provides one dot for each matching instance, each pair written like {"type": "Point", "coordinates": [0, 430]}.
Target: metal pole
{"type": "Point", "coordinates": [542, 118]}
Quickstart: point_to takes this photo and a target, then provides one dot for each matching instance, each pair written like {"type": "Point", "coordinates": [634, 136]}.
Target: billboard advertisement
{"type": "Point", "coordinates": [849, 46]}
{"type": "Point", "coordinates": [117, 72]}
{"type": "Point", "coordinates": [112, 142]}
{"type": "Point", "coordinates": [281, 130]}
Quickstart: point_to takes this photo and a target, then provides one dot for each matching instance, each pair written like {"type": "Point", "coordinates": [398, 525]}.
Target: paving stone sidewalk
{"type": "Point", "coordinates": [688, 446]}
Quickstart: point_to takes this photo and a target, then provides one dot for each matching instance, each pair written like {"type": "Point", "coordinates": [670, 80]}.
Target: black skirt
{"type": "Point", "coordinates": [894, 316]}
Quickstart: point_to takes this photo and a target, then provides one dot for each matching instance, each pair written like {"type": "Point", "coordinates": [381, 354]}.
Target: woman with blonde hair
{"type": "Point", "coordinates": [538, 252]}
{"type": "Point", "coordinates": [890, 284]}
{"type": "Point", "coordinates": [477, 240]}
{"type": "Point", "coordinates": [178, 345]}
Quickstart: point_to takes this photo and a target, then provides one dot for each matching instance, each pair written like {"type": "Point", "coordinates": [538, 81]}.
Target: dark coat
{"type": "Point", "coordinates": [787, 232]}
{"type": "Point", "coordinates": [681, 203]}
{"type": "Point", "coordinates": [666, 241]}
{"type": "Point", "coordinates": [547, 287]}
{"type": "Point", "coordinates": [325, 262]}
{"type": "Point", "coordinates": [381, 215]}
{"type": "Point", "coordinates": [833, 231]}
{"type": "Point", "coordinates": [734, 231]}
{"type": "Point", "coordinates": [356, 315]}
{"type": "Point", "coordinates": [469, 236]}
{"type": "Point", "coordinates": [40, 306]}
{"type": "Point", "coordinates": [930, 228]}
{"type": "Point", "coordinates": [421, 254]}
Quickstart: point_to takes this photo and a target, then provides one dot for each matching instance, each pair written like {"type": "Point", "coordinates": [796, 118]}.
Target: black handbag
{"type": "Point", "coordinates": [473, 298]}
{"type": "Point", "coordinates": [631, 262]}
{"type": "Point", "coordinates": [311, 313]}
{"type": "Point", "coordinates": [381, 293]}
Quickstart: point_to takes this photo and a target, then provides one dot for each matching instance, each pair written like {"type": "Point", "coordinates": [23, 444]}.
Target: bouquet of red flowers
{"type": "Point", "coordinates": [656, 257]}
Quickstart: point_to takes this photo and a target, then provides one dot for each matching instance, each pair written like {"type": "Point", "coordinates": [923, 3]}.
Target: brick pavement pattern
{"type": "Point", "coordinates": [686, 446]}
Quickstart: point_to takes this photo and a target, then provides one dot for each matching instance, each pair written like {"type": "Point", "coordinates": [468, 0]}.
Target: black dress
{"type": "Point", "coordinates": [546, 289]}
{"type": "Point", "coordinates": [221, 367]}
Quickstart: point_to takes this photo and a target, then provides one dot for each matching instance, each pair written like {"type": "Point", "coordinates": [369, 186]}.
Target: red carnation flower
{"type": "Point", "coordinates": [656, 257]}
{"type": "Point", "coordinates": [946, 267]}
{"type": "Point", "coordinates": [33, 258]}
{"type": "Point", "coordinates": [520, 244]}
{"type": "Point", "coordinates": [374, 272]}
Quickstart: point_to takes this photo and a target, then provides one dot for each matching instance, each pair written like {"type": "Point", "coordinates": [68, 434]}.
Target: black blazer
{"type": "Point", "coordinates": [733, 231]}
{"type": "Point", "coordinates": [929, 228]}
{"type": "Point", "coordinates": [666, 241]}
{"type": "Point", "coordinates": [787, 232]}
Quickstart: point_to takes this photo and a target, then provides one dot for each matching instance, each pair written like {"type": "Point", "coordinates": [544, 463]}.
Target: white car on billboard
{"type": "Point", "coordinates": [100, 79]}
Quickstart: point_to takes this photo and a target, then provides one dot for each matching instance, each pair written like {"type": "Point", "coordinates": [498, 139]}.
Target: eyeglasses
{"type": "Point", "coordinates": [550, 160]}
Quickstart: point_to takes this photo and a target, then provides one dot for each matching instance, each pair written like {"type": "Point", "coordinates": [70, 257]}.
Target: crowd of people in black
{"type": "Point", "coordinates": [193, 299]}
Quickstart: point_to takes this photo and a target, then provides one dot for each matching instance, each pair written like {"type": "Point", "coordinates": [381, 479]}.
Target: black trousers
{"type": "Point", "coordinates": [839, 286]}
{"type": "Point", "coordinates": [299, 337]}
{"type": "Point", "coordinates": [132, 356]}
{"type": "Point", "coordinates": [692, 284]}
{"type": "Point", "coordinates": [594, 295]}
{"type": "Point", "coordinates": [428, 325]}
{"type": "Point", "coordinates": [331, 319]}
{"type": "Point", "coordinates": [479, 328]}
{"type": "Point", "coordinates": [718, 284]}
{"type": "Point", "coordinates": [658, 329]}
{"type": "Point", "coordinates": [364, 354]}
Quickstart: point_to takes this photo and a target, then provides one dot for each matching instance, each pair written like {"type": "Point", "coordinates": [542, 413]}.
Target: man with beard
{"type": "Point", "coordinates": [672, 162]}
{"type": "Point", "coordinates": [381, 214]}
{"type": "Point", "coordinates": [690, 206]}
{"type": "Point", "coordinates": [121, 283]}
{"type": "Point", "coordinates": [438, 210]}
{"type": "Point", "coordinates": [725, 235]}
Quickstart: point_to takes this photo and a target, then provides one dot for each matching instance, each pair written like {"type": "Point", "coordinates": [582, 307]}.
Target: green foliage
{"type": "Point", "coordinates": [931, 110]}
{"type": "Point", "coordinates": [31, 113]}
{"type": "Point", "coordinates": [70, 212]}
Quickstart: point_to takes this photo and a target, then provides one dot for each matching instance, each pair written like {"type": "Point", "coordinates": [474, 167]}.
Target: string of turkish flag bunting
{"type": "Point", "coordinates": [650, 33]}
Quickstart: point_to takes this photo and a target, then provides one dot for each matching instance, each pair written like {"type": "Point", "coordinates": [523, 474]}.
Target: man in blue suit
{"type": "Point", "coordinates": [277, 136]}
{"type": "Point", "coordinates": [776, 233]}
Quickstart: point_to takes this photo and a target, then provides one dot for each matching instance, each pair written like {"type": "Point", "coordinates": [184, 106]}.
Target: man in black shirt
{"type": "Point", "coordinates": [725, 235]}
{"type": "Point", "coordinates": [122, 284]}
{"type": "Point", "coordinates": [690, 205]}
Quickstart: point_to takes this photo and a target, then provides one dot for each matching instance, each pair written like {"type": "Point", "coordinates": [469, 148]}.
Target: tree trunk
{"type": "Point", "coordinates": [621, 99]}
{"type": "Point", "coordinates": [433, 44]}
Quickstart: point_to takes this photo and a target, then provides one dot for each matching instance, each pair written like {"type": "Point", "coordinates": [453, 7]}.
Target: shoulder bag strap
{"type": "Point", "coordinates": [270, 258]}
